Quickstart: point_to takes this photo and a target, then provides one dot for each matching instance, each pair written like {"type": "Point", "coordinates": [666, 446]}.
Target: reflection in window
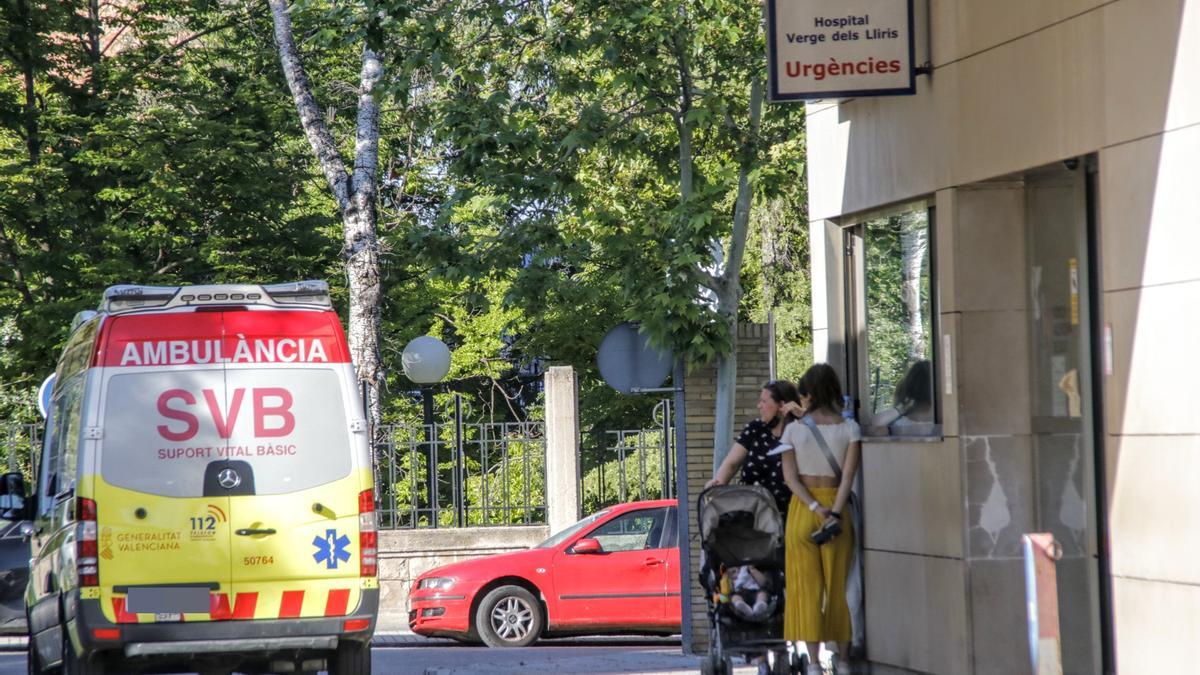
{"type": "Point", "coordinates": [900, 400]}
{"type": "Point", "coordinates": [632, 531]}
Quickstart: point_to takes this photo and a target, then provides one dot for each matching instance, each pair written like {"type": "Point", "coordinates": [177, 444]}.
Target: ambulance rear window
{"type": "Point", "coordinates": [162, 428]}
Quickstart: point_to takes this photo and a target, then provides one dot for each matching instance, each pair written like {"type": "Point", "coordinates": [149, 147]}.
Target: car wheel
{"type": "Point", "coordinates": [352, 658]}
{"type": "Point", "coordinates": [509, 616]}
{"type": "Point", "coordinates": [72, 664]}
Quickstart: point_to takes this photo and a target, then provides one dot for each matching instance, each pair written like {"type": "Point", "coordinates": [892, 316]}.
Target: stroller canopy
{"type": "Point", "coordinates": [739, 524]}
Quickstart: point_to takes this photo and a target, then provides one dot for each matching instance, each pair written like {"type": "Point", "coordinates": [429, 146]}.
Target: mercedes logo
{"type": "Point", "coordinates": [229, 479]}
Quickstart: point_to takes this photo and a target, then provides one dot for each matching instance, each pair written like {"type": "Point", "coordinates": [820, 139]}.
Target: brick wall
{"type": "Point", "coordinates": [753, 369]}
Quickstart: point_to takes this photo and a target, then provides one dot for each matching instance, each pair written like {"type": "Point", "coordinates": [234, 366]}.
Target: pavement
{"type": "Point", "coordinates": [597, 655]}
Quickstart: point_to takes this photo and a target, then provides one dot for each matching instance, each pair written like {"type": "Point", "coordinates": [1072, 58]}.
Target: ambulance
{"type": "Point", "coordinates": [204, 494]}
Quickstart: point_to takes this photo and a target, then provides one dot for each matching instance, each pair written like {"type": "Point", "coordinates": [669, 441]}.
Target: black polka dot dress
{"type": "Point", "coordinates": [761, 469]}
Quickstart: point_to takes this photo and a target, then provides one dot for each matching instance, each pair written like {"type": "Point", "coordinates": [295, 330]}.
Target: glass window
{"type": "Point", "coordinates": [566, 534]}
{"type": "Point", "coordinates": [163, 429]}
{"type": "Point", "coordinates": [62, 437]}
{"type": "Point", "coordinates": [633, 531]}
{"type": "Point", "coordinates": [900, 397]}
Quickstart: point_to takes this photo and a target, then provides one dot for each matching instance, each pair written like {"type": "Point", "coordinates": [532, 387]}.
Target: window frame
{"type": "Point", "coordinates": [853, 230]}
{"type": "Point", "coordinates": [653, 512]}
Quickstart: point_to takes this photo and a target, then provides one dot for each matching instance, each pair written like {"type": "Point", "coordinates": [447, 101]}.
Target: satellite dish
{"type": "Point", "coordinates": [628, 362]}
{"type": "Point", "coordinates": [44, 393]}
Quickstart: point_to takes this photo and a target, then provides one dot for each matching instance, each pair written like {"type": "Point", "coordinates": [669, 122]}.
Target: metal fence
{"type": "Point", "coordinates": [461, 475]}
{"type": "Point", "coordinates": [478, 474]}
{"type": "Point", "coordinates": [18, 442]}
{"type": "Point", "coordinates": [624, 465]}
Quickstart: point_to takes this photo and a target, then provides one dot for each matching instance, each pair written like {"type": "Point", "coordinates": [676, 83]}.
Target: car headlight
{"type": "Point", "coordinates": [436, 583]}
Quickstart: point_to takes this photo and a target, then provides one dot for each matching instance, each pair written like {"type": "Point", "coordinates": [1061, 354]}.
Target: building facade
{"type": "Point", "coordinates": [1002, 270]}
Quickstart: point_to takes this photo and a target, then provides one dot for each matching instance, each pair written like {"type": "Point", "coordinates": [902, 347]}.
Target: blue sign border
{"type": "Point", "coordinates": [773, 76]}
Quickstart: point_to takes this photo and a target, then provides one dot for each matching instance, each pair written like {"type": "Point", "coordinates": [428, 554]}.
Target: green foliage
{"type": "Point", "coordinates": [622, 469]}
{"type": "Point", "coordinates": [161, 153]}
{"type": "Point", "coordinates": [504, 466]}
{"type": "Point", "coordinates": [530, 193]}
{"type": "Point", "coordinates": [537, 154]}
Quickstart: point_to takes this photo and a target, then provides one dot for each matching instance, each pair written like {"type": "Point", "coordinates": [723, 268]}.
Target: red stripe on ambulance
{"type": "Point", "coordinates": [119, 610]}
{"type": "Point", "coordinates": [335, 605]}
{"type": "Point", "coordinates": [244, 607]}
{"type": "Point", "coordinates": [234, 337]}
{"type": "Point", "coordinates": [219, 606]}
{"type": "Point", "coordinates": [289, 606]}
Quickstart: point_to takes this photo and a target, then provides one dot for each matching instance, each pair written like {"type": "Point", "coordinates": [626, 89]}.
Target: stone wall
{"type": "Point", "coordinates": [754, 369]}
{"type": "Point", "coordinates": [406, 554]}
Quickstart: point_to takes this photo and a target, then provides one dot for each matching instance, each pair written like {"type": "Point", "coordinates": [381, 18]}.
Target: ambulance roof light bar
{"type": "Point", "coordinates": [130, 297]}
{"type": "Point", "coordinates": [126, 297]}
{"type": "Point", "coordinates": [310, 292]}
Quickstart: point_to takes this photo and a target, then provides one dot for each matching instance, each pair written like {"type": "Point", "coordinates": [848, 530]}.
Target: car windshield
{"type": "Point", "coordinates": [571, 531]}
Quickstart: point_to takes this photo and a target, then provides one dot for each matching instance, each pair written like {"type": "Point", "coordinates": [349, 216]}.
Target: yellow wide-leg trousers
{"type": "Point", "coordinates": [815, 609]}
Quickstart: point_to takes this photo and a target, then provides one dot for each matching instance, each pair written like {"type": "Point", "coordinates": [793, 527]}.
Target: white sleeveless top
{"type": "Point", "coordinates": [809, 458]}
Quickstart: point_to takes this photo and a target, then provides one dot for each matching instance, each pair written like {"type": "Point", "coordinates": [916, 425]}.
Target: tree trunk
{"type": "Point", "coordinates": [913, 246]}
{"type": "Point", "coordinates": [729, 288]}
{"type": "Point", "coordinates": [362, 276]}
{"type": "Point", "coordinates": [354, 195]}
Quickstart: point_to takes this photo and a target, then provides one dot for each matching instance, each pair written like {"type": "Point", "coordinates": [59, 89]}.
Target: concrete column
{"type": "Point", "coordinates": [562, 448]}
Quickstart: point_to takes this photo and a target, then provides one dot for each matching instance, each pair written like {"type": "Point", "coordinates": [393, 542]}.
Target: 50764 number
{"type": "Point", "coordinates": [251, 560]}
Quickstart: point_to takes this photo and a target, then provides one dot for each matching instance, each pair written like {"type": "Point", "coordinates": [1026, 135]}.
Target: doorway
{"type": "Point", "coordinates": [1066, 427]}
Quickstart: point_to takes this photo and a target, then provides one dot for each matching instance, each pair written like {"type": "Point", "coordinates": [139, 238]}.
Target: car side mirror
{"type": "Point", "coordinates": [586, 545]}
{"type": "Point", "coordinates": [12, 496]}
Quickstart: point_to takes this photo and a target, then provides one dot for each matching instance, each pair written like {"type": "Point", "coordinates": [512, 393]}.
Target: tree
{"type": "Point", "coordinates": [354, 193]}
{"type": "Point", "coordinates": [593, 155]}
{"type": "Point", "coordinates": [685, 77]}
{"type": "Point", "coordinates": [139, 147]}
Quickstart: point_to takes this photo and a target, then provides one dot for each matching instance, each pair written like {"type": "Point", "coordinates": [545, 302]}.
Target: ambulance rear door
{"type": "Point", "coordinates": [162, 518]}
{"type": "Point", "coordinates": [301, 441]}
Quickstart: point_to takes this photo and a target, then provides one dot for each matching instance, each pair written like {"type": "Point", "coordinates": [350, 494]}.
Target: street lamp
{"type": "Point", "coordinates": [426, 360]}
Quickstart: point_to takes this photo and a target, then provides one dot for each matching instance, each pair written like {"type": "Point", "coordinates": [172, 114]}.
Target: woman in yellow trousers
{"type": "Point", "coordinates": [815, 609]}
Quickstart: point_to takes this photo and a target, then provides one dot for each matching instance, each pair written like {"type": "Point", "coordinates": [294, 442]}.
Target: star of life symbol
{"type": "Point", "coordinates": [331, 548]}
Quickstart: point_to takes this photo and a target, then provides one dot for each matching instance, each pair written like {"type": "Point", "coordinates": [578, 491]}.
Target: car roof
{"type": "Point", "coordinates": [648, 504]}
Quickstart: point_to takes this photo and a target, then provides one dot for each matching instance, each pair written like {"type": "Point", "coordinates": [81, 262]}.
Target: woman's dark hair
{"type": "Point", "coordinates": [821, 383]}
{"type": "Point", "coordinates": [782, 391]}
{"type": "Point", "coordinates": [916, 387]}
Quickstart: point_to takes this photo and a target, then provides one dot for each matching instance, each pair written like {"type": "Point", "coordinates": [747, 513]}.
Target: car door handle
{"type": "Point", "coordinates": [652, 562]}
{"type": "Point", "coordinates": [251, 531]}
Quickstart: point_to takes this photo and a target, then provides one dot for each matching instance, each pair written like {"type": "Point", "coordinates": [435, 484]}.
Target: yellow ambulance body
{"type": "Point", "coordinates": [205, 490]}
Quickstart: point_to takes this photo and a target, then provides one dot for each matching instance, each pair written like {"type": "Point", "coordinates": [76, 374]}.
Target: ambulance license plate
{"type": "Point", "coordinates": [168, 616]}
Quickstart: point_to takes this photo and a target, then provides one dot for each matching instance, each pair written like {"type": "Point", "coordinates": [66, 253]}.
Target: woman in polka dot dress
{"type": "Point", "coordinates": [757, 439]}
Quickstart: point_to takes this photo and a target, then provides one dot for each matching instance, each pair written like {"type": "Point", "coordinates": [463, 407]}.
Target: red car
{"type": "Point", "coordinates": [616, 571]}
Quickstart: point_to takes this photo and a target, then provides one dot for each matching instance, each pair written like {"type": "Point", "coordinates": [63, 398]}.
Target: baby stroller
{"type": "Point", "coordinates": [741, 525]}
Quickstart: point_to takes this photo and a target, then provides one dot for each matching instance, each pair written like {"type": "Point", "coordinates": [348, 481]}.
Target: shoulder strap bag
{"type": "Point", "coordinates": [828, 532]}
{"type": "Point", "coordinates": [812, 426]}
{"type": "Point", "coordinates": [854, 586]}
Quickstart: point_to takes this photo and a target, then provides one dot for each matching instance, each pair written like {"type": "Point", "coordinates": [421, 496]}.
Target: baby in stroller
{"type": "Point", "coordinates": [747, 580]}
{"type": "Point", "coordinates": [741, 570]}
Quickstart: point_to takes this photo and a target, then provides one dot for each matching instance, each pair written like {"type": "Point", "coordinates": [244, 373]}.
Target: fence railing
{"type": "Point", "coordinates": [462, 475]}
{"type": "Point", "coordinates": [628, 464]}
{"type": "Point", "coordinates": [18, 442]}
{"type": "Point", "coordinates": [484, 474]}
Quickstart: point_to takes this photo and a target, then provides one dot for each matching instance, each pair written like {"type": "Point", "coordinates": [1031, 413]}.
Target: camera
{"type": "Point", "coordinates": [826, 532]}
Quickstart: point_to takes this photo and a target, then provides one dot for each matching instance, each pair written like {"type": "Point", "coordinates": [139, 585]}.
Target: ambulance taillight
{"type": "Point", "coordinates": [368, 534]}
{"type": "Point", "coordinates": [87, 550]}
